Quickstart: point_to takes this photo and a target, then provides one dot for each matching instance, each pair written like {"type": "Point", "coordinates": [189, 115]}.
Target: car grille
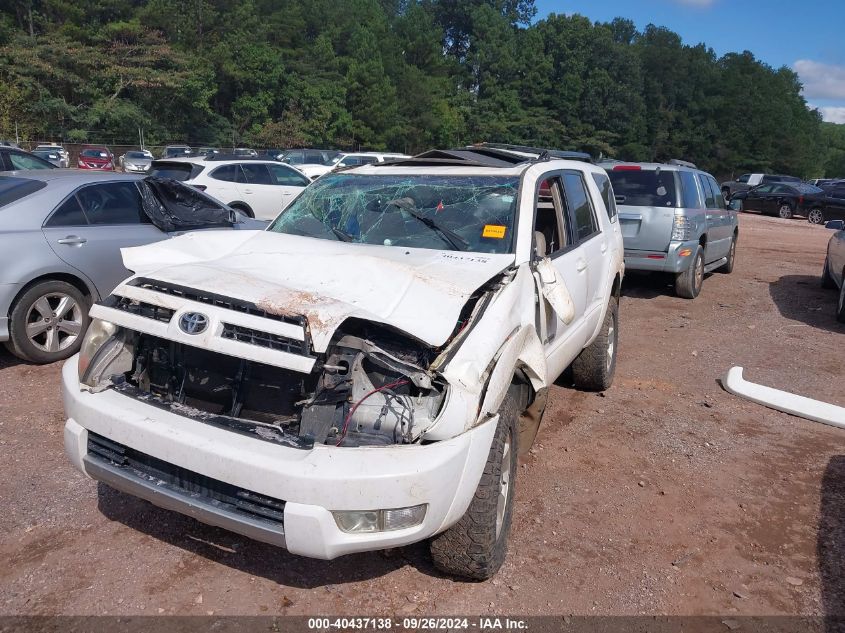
{"type": "Point", "coordinates": [141, 308]}
{"type": "Point", "coordinates": [263, 339]}
{"type": "Point", "coordinates": [231, 498]}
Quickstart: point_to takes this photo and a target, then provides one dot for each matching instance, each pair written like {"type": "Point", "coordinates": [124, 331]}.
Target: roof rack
{"type": "Point", "coordinates": [540, 151]}
{"type": "Point", "coordinates": [681, 163]}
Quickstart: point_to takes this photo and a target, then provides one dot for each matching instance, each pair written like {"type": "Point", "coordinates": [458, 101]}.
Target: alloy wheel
{"type": "Point", "coordinates": [815, 216]}
{"type": "Point", "coordinates": [54, 322]}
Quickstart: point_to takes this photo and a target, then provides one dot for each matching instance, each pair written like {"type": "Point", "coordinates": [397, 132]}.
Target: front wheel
{"type": "Point", "coordinates": [785, 211]}
{"type": "Point", "coordinates": [728, 266]}
{"type": "Point", "coordinates": [476, 546]}
{"type": "Point", "coordinates": [815, 216]}
{"type": "Point", "coordinates": [594, 367]}
{"type": "Point", "coordinates": [48, 322]}
{"type": "Point", "coordinates": [688, 283]}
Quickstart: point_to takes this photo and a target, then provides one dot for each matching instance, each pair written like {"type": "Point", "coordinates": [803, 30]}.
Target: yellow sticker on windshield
{"type": "Point", "coordinates": [494, 230]}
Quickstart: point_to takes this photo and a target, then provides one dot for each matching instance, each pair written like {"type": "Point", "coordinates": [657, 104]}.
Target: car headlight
{"type": "Point", "coordinates": [98, 333]}
{"type": "Point", "coordinates": [682, 228]}
{"type": "Point", "coordinates": [367, 521]}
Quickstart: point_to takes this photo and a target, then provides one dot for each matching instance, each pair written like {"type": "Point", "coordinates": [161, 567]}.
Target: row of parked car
{"type": "Point", "coordinates": [818, 200]}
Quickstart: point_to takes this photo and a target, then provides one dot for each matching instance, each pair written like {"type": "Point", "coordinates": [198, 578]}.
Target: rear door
{"type": "Point", "coordinates": [88, 229]}
{"type": "Point", "coordinates": [288, 181]}
{"type": "Point", "coordinates": [835, 204]}
{"type": "Point", "coordinates": [646, 200]}
{"type": "Point", "coordinates": [259, 191]}
{"type": "Point", "coordinates": [718, 231]}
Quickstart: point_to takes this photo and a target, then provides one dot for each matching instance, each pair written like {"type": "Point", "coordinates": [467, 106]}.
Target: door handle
{"type": "Point", "coordinates": [581, 265]}
{"type": "Point", "coordinates": [247, 190]}
{"type": "Point", "coordinates": [72, 240]}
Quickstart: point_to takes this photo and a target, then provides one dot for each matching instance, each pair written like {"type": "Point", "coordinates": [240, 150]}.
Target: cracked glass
{"type": "Point", "coordinates": [466, 213]}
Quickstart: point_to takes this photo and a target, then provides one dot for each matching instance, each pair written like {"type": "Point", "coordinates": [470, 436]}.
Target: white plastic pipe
{"type": "Point", "coordinates": [808, 408]}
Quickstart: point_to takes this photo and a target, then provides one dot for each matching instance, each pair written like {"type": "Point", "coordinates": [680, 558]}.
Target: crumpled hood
{"type": "Point", "coordinates": [418, 291]}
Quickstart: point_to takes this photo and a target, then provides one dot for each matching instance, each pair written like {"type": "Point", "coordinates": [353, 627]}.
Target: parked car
{"type": "Point", "coordinates": [63, 153]}
{"type": "Point", "coordinates": [275, 154]}
{"type": "Point", "coordinates": [205, 151]}
{"type": "Point", "coordinates": [68, 229]}
{"type": "Point", "coordinates": [747, 181]}
{"type": "Point", "coordinates": [311, 162]}
{"type": "Point", "coordinates": [833, 207]}
{"type": "Point", "coordinates": [92, 157]}
{"type": "Point", "coordinates": [833, 273]}
{"type": "Point", "coordinates": [173, 151]}
{"type": "Point", "coordinates": [823, 182]}
{"type": "Point", "coordinates": [259, 188]}
{"type": "Point", "coordinates": [355, 159]}
{"type": "Point", "coordinates": [12, 159]}
{"type": "Point", "coordinates": [363, 374]}
{"type": "Point", "coordinates": [674, 220]}
{"type": "Point", "coordinates": [7, 143]}
{"type": "Point", "coordinates": [52, 157]}
{"type": "Point", "coordinates": [246, 152]}
{"type": "Point", "coordinates": [136, 161]}
{"type": "Point", "coordinates": [783, 200]}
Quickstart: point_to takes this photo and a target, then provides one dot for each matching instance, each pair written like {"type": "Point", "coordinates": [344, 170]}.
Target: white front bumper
{"type": "Point", "coordinates": [313, 482]}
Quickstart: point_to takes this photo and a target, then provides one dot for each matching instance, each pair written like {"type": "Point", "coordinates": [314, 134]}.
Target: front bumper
{"type": "Point", "coordinates": [444, 475]}
{"type": "Point", "coordinates": [673, 260]}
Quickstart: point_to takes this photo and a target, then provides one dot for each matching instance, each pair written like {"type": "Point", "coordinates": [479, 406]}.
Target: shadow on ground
{"type": "Point", "coordinates": [831, 544]}
{"type": "Point", "coordinates": [801, 298]}
{"type": "Point", "coordinates": [251, 557]}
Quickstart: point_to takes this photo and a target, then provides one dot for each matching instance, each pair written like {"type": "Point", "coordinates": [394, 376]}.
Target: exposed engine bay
{"type": "Point", "coordinates": [372, 387]}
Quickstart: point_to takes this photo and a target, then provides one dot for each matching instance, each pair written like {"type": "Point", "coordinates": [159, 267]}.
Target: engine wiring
{"type": "Point", "coordinates": [390, 385]}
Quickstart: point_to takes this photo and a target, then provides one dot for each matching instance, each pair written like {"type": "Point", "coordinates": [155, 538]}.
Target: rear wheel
{"type": "Point", "coordinates": [47, 322]}
{"type": "Point", "coordinates": [476, 546]}
{"type": "Point", "coordinates": [594, 367]}
{"type": "Point", "coordinates": [785, 211]}
{"type": "Point", "coordinates": [827, 279]}
{"type": "Point", "coordinates": [815, 216]}
{"type": "Point", "coordinates": [688, 283]}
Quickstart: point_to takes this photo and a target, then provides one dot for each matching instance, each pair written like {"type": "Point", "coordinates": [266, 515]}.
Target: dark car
{"type": "Point", "coordinates": [833, 207]}
{"type": "Point", "coordinates": [12, 159]}
{"type": "Point", "coordinates": [749, 181]}
{"type": "Point", "coordinates": [174, 151]}
{"type": "Point", "coordinates": [782, 199]}
{"type": "Point", "coordinates": [92, 157]}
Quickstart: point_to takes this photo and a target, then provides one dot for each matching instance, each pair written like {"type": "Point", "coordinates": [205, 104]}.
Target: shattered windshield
{"type": "Point", "coordinates": [467, 213]}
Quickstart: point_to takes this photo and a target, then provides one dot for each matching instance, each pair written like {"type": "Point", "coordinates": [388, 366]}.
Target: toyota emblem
{"type": "Point", "coordinates": [193, 323]}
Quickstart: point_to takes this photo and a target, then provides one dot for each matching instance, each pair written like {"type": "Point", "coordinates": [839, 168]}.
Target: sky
{"type": "Point", "coordinates": [808, 37]}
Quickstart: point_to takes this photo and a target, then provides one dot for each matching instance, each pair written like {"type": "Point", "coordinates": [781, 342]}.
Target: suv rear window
{"type": "Point", "coordinates": [644, 188]}
{"type": "Point", "coordinates": [13, 189]}
{"type": "Point", "coordinates": [176, 171]}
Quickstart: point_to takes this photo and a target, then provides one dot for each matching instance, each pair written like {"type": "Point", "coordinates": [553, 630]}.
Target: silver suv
{"type": "Point", "coordinates": [674, 220]}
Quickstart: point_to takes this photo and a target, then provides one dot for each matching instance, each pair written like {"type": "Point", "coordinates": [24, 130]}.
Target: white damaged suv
{"type": "Point", "coordinates": [362, 374]}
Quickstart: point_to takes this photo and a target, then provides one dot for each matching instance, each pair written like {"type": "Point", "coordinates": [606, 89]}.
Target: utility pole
{"type": "Point", "coordinates": [17, 137]}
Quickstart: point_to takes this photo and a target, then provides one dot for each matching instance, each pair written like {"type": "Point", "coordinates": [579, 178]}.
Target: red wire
{"type": "Point", "coordinates": [395, 383]}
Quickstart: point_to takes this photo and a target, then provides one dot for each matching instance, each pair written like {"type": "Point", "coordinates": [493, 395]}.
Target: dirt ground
{"type": "Point", "coordinates": [664, 495]}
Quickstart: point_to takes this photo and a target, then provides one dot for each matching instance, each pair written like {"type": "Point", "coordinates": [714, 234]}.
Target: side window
{"type": "Point", "coordinates": [69, 213]}
{"type": "Point", "coordinates": [717, 193]}
{"type": "Point", "coordinates": [550, 234]}
{"type": "Point", "coordinates": [744, 178]}
{"type": "Point", "coordinates": [709, 199]}
{"type": "Point", "coordinates": [112, 203]}
{"type": "Point", "coordinates": [580, 207]}
{"type": "Point", "coordinates": [690, 197]}
{"type": "Point", "coordinates": [603, 183]}
{"type": "Point", "coordinates": [256, 174]}
{"type": "Point", "coordinates": [22, 161]}
{"type": "Point", "coordinates": [764, 189]}
{"type": "Point", "coordinates": [287, 177]}
{"type": "Point", "coordinates": [228, 173]}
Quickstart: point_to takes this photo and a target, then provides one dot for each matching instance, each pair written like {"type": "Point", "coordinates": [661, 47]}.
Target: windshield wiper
{"type": "Point", "coordinates": [457, 242]}
{"type": "Point", "coordinates": [342, 234]}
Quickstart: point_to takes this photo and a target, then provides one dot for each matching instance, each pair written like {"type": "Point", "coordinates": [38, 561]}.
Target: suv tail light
{"type": "Point", "coordinates": [682, 228]}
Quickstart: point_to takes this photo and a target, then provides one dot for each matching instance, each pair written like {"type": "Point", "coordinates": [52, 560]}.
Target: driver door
{"type": "Point", "coordinates": [758, 198]}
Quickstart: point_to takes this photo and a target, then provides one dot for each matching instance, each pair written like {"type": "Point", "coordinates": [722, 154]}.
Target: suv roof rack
{"type": "Point", "coordinates": [212, 157]}
{"type": "Point", "coordinates": [681, 163]}
{"type": "Point", "coordinates": [485, 155]}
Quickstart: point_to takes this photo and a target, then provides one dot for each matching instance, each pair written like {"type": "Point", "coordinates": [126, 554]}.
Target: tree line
{"type": "Point", "coordinates": [404, 75]}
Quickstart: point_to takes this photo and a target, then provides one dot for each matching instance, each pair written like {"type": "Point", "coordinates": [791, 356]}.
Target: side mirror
{"type": "Point", "coordinates": [836, 225]}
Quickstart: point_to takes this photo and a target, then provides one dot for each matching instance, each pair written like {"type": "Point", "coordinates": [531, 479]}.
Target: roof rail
{"type": "Point", "coordinates": [681, 163]}
{"type": "Point", "coordinates": [215, 157]}
{"type": "Point", "coordinates": [540, 151]}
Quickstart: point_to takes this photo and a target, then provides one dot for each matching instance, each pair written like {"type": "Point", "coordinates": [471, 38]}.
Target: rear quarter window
{"type": "Point", "coordinates": [603, 183]}
{"type": "Point", "coordinates": [690, 197]}
{"type": "Point", "coordinates": [644, 188]}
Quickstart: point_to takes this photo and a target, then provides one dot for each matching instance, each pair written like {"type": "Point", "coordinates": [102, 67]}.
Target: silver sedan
{"type": "Point", "coordinates": [833, 274]}
{"type": "Point", "coordinates": [61, 232]}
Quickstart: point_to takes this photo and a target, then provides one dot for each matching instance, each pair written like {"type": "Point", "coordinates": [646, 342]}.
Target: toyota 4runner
{"type": "Point", "coordinates": [362, 374]}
